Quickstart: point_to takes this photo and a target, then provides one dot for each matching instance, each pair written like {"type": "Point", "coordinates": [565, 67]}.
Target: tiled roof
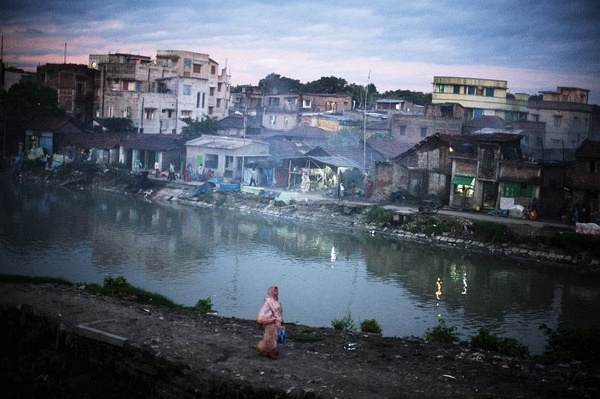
{"type": "Point", "coordinates": [154, 142]}
{"type": "Point", "coordinates": [50, 123]}
{"type": "Point", "coordinates": [588, 149]}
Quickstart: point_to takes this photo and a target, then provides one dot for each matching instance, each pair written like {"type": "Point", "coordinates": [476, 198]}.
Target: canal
{"type": "Point", "coordinates": [188, 253]}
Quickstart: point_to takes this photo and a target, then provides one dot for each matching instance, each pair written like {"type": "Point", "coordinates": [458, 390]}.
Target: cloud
{"type": "Point", "coordinates": [534, 45]}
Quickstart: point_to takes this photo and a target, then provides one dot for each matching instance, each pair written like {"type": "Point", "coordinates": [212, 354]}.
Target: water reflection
{"type": "Point", "coordinates": [188, 254]}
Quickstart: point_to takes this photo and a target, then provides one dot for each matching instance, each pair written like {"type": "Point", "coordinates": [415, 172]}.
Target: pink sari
{"type": "Point", "coordinates": [271, 317]}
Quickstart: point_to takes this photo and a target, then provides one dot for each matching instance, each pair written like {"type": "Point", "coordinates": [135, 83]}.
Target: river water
{"type": "Point", "coordinates": [187, 254]}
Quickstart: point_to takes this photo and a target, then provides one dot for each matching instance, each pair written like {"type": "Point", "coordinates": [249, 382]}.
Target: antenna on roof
{"type": "Point", "coordinates": [65, 56]}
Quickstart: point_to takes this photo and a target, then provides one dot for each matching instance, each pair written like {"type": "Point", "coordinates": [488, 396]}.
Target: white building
{"type": "Point", "coordinates": [157, 94]}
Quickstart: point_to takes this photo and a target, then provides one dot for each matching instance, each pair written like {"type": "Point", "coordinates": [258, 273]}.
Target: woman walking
{"type": "Point", "coordinates": [270, 317]}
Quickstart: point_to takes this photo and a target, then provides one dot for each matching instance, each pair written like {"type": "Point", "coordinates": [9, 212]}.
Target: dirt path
{"type": "Point", "coordinates": [333, 364]}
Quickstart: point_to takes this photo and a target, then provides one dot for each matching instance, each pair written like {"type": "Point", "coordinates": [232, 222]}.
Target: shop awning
{"type": "Point", "coordinates": [463, 180]}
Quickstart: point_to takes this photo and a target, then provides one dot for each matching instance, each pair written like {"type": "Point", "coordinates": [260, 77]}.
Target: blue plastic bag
{"type": "Point", "coordinates": [281, 337]}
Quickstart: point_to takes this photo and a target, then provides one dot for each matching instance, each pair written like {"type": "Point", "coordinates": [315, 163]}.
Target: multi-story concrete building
{"type": "Point", "coordinates": [157, 94]}
{"type": "Point", "coordinates": [480, 97]}
{"type": "Point", "coordinates": [75, 85]}
{"type": "Point", "coordinates": [569, 121]}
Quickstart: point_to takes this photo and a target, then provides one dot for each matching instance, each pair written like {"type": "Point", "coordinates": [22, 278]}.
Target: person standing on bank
{"type": "Point", "coordinates": [253, 176]}
{"type": "Point", "coordinates": [270, 317]}
{"type": "Point", "coordinates": [156, 169]}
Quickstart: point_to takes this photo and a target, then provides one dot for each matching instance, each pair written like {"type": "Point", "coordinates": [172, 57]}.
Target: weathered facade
{"type": "Point", "coordinates": [569, 120]}
{"type": "Point", "coordinates": [228, 157]}
{"type": "Point", "coordinates": [490, 173]}
{"type": "Point", "coordinates": [76, 88]}
{"type": "Point", "coordinates": [157, 94]}
{"type": "Point", "coordinates": [586, 178]}
{"type": "Point", "coordinates": [411, 128]}
{"type": "Point", "coordinates": [480, 97]}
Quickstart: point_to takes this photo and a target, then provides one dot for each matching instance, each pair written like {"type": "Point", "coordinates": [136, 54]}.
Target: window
{"type": "Point", "coordinates": [488, 159]}
{"type": "Point", "coordinates": [127, 112]}
{"type": "Point", "coordinates": [274, 101]}
{"type": "Point", "coordinates": [272, 120]}
{"type": "Point", "coordinates": [212, 91]}
{"type": "Point", "coordinates": [402, 130]}
{"type": "Point", "coordinates": [479, 91]}
{"type": "Point", "coordinates": [306, 104]}
{"type": "Point", "coordinates": [49, 76]}
{"type": "Point", "coordinates": [423, 132]}
{"type": "Point", "coordinates": [285, 121]}
{"type": "Point", "coordinates": [213, 69]}
{"type": "Point", "coordinates": [218, 103]}
{"type": "Point", "coordinates": [456, 89]}
{"type": "Point", "coordinates": [149, 112]}
{"type": "Point", "coordinates": [219, 87]}
{"type": "Point", "coordinates": [211, 110]}
{"type": "Point", "coordinates": [203, 99]}
{"type": "Point", "coordinates": [110, 111]}
{"type": "Point", "coordinates": [441, 88]}
{"type": "Point", "coordinates": [557, 120]}
{"type": "Point", "coordinates": [228, 162]}
{"type": "Point", "coordinates": [79, 88]}
{"type": "Point", "coordinates": [489, 92]}
{"type": "Point", "coordinates": [187, 90]}
{"type": "Point", "coordinates": [197, 68]}
{"type": "Point", "coordinates": [211, 161]}
{"type": "Point", "coordinates": [470, 89]}
{"type": "Point", "coordinates": [594, 167]}
{"type": "Point", "coordinates": [187, 63]}
{"type": "Point", "coordinates": [186, 113]}
{"type": "Point", "coordinates": [514, 190]}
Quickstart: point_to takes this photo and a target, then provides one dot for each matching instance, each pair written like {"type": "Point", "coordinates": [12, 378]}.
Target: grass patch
{"type": "Point", "coordinates": [14, 279]}
{"type": "Point", "coordinates": [378, 214]}
{"type": "Point", "coordinates": [491, 342]}
{"type": "Point", "coordinates": [370, 326]}
{"type": "Point", "coordinates": [305, 336]}
{"type": "Point", "coordinates": [345, 323]}
{"type": "Point", "coordinates": [566, 344]}
{"type": "Point", "coordinates": [119, 288]}
{"type": "Point", "coordinates": [442, 333]}
{"type": "Point", "coordinates": [491, 232]}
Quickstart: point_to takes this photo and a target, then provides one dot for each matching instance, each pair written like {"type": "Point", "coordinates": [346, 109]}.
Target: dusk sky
{"type": "Point", "coordinates": [535, 45]}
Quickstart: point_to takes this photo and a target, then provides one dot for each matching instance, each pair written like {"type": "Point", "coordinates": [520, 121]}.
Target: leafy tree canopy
{"type": "Point", "coordinates": [277, 84]}
{"type": "Point", "coordinates": [118, 125]}
{"type": "Point", "coordinates": [329, 85]}
{"type": "Point", "coordinates": [26, 100]}
{"type": "Point", "coordinates": [351, 134]}
{"type": "Point", "coordinates": [415, 97]}
{"type": "Point", "coordinates": [195, 128]}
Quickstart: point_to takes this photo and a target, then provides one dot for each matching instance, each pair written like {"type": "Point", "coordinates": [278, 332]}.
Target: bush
{"type": "Point", "coordinates": [442, 333]}
{"type": "Point", "coordinates": [378, 214]}
{"type": "Point", "coordinates": [491, 232]}
{"type": "Point", "coordinates": [204, 306]}
{"type": "Point", "coordinates": [506, 346]}
{"type": "Point", "coordinates": [345, 323]}
{"type": "Point", "coordinates": [570, 343]}
{"type": "Point", "coordinates": [574, 243]}
{"type": "Point", "coordinates": [370, 326]}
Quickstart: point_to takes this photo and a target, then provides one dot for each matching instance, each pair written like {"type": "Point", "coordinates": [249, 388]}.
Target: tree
{"type": "Point", "coordinates": [358, 95]}
{"type": "Point", "coordinates": [349, 135]}
{"type": "Point", "coordinates": [26, 100]}
{"type": "Point", "coordinates": [415, 97]}
{"type": "Point", "coordinates": [196, 128]}
{"type": "Point", "coordinates": [118, 125]}
{"type": "Point", "coordinates": [277, 84]}
{"type": "Point", "coordinates": [329, 85]}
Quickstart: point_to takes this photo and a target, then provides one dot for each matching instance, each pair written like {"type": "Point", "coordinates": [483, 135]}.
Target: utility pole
{"type": "Point", "coordinates": [365, 124]}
